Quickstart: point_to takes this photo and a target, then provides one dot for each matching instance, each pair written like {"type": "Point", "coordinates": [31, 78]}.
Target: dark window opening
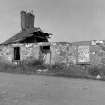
{"type": "Point", "coordinates": [16, 53]}
{"type": "Point", "coordinates": [45, 49]}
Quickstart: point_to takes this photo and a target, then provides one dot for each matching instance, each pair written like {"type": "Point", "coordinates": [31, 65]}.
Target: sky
{"type": "Point", "coordinates": [67, 20]}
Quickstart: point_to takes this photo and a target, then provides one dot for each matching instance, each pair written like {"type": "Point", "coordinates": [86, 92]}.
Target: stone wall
{"type": "Point", "coordinates": [79, 53]}
{"type": "Point", "coordinates": [30, 52]}
{"type": "Point", "coordinates": [6, 53]}
{"type": "Point", "coordinates": [64, 53]}
{"type": "Point", "coordinates": [27, 52]}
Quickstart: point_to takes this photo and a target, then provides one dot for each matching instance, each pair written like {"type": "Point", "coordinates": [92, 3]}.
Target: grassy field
{"type": "Point", "coordinates": [75, 71]}
{"type": "Point", "coordinates": [16, 89]}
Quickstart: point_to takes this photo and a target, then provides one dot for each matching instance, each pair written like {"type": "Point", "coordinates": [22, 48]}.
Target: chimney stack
{"type": "Point", "coordinates": [27, 20]}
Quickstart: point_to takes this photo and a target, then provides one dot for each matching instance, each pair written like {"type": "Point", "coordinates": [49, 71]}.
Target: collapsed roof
{"type": "Point", "coordinates": [29, 33]}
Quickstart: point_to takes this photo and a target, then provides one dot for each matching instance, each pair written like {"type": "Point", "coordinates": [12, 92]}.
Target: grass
{"type": "Point", "coordinates": [23, 67]}
{"type": "Point", "coordinates": [75, 71]}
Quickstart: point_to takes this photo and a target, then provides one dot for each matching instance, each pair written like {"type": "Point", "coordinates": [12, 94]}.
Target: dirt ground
{"type": "Point", "coordinates": [46, 90]}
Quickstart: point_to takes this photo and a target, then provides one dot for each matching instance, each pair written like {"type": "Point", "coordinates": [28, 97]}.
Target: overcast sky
{"type": "Point", "coordinates": [68, 20]}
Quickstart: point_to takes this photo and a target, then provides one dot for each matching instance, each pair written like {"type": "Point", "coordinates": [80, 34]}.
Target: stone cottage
{"type": "Point", "coordinates": [31, 44]}
{"type": "Point", "coordinates": [24, 45]}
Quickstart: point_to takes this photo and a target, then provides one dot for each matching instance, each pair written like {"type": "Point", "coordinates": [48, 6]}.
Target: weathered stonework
{"type": "Point", "coordinates": [62, 53]}
{"type": "Point", "coordinates": [29, 52]}
{"type": "Point", "coordinates": [6, 53]}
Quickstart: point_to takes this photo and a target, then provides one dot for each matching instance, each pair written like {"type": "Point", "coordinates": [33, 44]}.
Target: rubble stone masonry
{"type": "Point", "coordinates": [65, 53]}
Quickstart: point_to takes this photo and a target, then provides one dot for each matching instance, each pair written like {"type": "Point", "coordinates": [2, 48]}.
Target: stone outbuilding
{"type": "Point", "coordinates": [25, 44]}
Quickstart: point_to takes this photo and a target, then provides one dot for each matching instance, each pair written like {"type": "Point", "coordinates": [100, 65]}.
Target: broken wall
{"type": "Point", "coordinates": [6, 53]}
{"type": "Point", "coordinates": [27, 52]}
{"type": "Point", "coordinates": [62, 53]}
{"type": "Point", "coordinates": [97, 53]}
{"type": "Point", "coordinates": [92, 53]}
{"type": "Point", "coordinates": [30, 52]}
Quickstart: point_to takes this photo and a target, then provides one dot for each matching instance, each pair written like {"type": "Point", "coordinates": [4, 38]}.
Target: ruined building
{"type": "Point", "coordinates": [23, 45]}
{"type": "Point", "coordinates": [29, 33]}
{"type": "Point", "coordinates": [31, 44]}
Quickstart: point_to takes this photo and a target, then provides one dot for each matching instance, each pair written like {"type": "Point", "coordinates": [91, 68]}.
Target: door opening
{"type": "Point", "coordinates": [16, 53]}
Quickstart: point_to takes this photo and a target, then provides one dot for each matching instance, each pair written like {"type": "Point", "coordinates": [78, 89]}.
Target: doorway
{"type": "Point", "coordinates": [16, 53]}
